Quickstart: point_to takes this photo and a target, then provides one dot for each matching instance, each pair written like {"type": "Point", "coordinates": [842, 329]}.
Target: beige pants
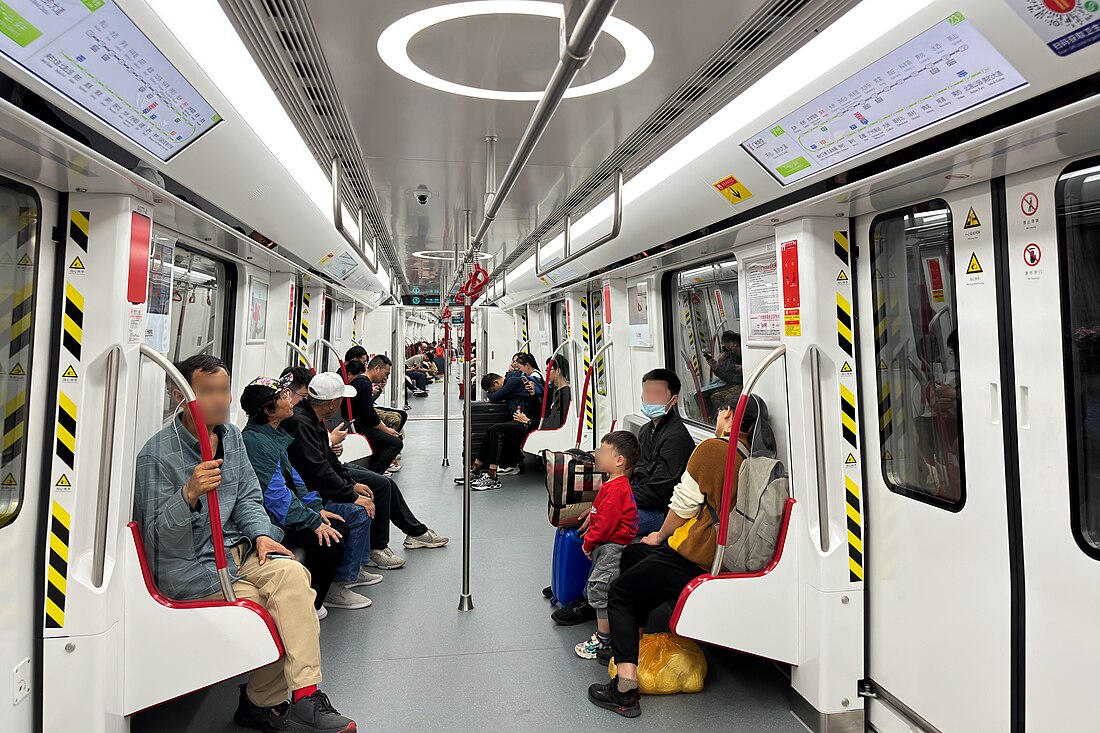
{"type": "Point", "coordinates": [389, 419]}
{"type": "Point", "coordinates": [282, 587]}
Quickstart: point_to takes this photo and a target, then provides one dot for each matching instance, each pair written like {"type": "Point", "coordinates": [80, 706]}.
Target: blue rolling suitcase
{"type": "Point", "coordinates": [570, 568]}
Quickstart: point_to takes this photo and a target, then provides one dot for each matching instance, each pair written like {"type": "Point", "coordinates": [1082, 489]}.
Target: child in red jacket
{"type": "Point", "coordinates": [612, 524]}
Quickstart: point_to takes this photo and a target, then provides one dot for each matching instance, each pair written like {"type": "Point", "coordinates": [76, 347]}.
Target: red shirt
{"type": "Point", "coordinates": [614, 515]}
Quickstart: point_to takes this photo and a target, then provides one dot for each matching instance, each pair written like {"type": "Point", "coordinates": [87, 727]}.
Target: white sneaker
{"type": "Point", "coordinates": [508, 471]}
{"type": "Point", "coordinates": [428, 539]}
{"type": "Point", "coordinates": [485, 482]}
{"type": "Point", "coordinates": [340, 596]}
{"type": "Point", "coordinates": [394, 468]}
{"type": "Point", "coordinates": [385, 559]}
{"type": "Point", "coordinates": [322, 612]}
{"type": "Point", "coordinates": [365, 578]}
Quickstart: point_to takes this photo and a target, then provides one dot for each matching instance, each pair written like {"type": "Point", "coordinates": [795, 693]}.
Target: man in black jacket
{"type": "Point", "coordinates": [313, 458]}
{"type": "Point", "coordinates": [666, 446]}
{"type": "Point", "coordinates": [385, 442]}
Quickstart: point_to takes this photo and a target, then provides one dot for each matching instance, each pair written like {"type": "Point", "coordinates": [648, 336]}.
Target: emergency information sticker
{"type": "Point", "coordinates": [1066, 26]}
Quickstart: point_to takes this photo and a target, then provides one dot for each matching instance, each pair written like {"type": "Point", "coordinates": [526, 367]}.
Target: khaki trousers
{"type": "Point", "coordinates": [281, 586]}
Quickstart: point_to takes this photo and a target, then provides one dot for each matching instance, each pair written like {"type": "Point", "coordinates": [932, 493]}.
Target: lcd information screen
{"type": "Point", "coordinates": [946, 70]}
{"type": "Point", "coordinates": [92, 53]}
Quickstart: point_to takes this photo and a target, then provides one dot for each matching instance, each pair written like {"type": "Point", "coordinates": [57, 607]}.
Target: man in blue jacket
{"type": "Point", "coordinates": [172, 481]}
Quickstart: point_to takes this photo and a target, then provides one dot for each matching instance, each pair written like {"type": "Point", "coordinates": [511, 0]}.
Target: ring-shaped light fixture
{"type": "Point", "coordinates": [445, 255]}
{"type": "Point", "coordinates": [393, 47]}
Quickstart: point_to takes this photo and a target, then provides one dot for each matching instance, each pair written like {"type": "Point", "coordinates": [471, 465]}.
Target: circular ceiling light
{"type": "Point", "coordinates": [393, 47]}
{"type": "Point", "coordinates": [445, 255]}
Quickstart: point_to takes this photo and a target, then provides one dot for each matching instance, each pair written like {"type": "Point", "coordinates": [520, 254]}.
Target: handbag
{"type": "Point", "coordinates": [572, 483]}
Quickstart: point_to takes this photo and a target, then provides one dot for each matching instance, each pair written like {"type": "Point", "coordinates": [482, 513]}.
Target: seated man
{"type": "Point", "coordinates": [666, 446]}
{"type": "Point", "coordinates": [385, 442]}
{"type": "Point", "coordinates": [416, 369]}
{"type": "Point", "coordinates": [306, 525]}
{"type": "Point", "coordinates": [503, 442]}
{"type": "Point", "coordinates": [390, 416]}
{"type": "Point", "coordinates": [171, 481]}
{"type": "Point", "coordinates": [725, 386]}
{"type": "Point", "coordinates": [512, 388]}
{"type": "Point", "coordinates": [312, 456]}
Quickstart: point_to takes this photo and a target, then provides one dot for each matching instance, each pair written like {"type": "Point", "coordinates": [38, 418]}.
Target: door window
{"type": "Point", "coordinates": [1078, 196]}
{"type": "Point", "coordinates": [199, 298]}
{"type": "Point", "coordinates": [707, 339]}
{"type": "Point", "coordinates": [916, 354]}
{"type": "Point", "coordinates": [19, 230]}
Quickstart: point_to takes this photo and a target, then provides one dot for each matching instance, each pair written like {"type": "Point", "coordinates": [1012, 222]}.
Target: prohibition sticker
{"type": "Point", "coordinates": [1032, 255]}
{"type": "Point", "coordinates": [1029, 204]}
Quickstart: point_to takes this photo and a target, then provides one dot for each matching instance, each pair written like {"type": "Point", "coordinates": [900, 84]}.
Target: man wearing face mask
{"type": "Point", "coordinates": [666, 446]}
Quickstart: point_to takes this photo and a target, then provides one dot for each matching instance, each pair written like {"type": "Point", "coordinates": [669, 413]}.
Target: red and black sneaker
{"type": "Point", "coordinates": [608, 697]}
{"type": "Point", "coordinates": [269, 720]}
{"type": "Point", "coordinates": [315, 714]}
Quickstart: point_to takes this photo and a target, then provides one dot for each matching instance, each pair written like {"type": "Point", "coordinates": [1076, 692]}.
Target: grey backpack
{"type": "Point", "coordinates": [762, 493]}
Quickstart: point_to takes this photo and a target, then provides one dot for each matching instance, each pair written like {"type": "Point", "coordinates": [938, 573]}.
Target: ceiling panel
{"type": "Point", "coordinates": [414, 136]}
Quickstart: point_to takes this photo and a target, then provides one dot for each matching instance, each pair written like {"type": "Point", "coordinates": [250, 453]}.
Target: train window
{"type": "Point", "coordinates": [200, 298]}
{"type": "Point", "coordinates": [707, 339]}
{"type": "Point", "coordinates": [1078, 197]}
{"type": "Point", "coordinates": [916, 350]}
{"type": "Point", "coordinates": [558, 324]}
{"type": "Point", "coordinates": [19, 231]}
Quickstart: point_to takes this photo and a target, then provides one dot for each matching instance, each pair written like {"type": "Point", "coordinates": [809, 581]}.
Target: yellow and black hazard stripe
{"type": "Point", "coordinates": [66, 429]}
{"type": "Point", "coordinates": [844, 325]}
{"type": "Point", "coordinates": [73, 321]}
{"type": "Point", "coordinates": [848, 427]}
{"type": "Point", "coordinates": [855, 530]}
{"type": "Point", "coordinates": [79, 223]}
{"type": "Point", "coordinates": [14, 427]}
{"type": "Point", "coordinates": [597, 330]}
{"type": "Point", "coordinates": [689, 321]}
{"type": "Point", "coordinates": [57, 570]}
{"type": "Point", "coordinates": [589, 416]}
{"type": "Point", "coordinates": [303, 330]}
{"type": "Point", "coordinates": [885, 411]}
{"type": "Point", "coordinates": [21, 316]}
{"type": "Point", "coordinates": [524, 339]}
{"type": "Point", "coordinates": [841, 249]}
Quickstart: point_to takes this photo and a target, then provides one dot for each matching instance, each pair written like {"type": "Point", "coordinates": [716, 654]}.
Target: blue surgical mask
{"type": "Point", "coordinates": [654, 412]}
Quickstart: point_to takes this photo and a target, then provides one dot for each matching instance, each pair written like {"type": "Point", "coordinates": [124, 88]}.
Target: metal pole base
{"type": "Point", "coordinates": [466, 602]}
{"type": "Point", "coordinates": [446, 461]}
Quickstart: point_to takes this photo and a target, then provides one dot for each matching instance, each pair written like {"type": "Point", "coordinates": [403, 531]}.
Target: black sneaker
{"type": "Point", "coordinates": [548, 592]}
{"type": "Point", "coordinates": [459, 480]}
{"type": "Point", "coordinates": [577, 612]}
{"type": "Point", "coordinates": [603, 654]}
{"type": "Point", "coordinates": [254, 717]}
{"type": "Point", "coordinates": [608, 697]}
{"type": "Point", "coordinates": [315, 714]}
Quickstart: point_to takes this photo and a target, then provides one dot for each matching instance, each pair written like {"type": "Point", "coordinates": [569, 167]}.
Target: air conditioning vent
{"type": "Point", "coordinates": [762, 42]}
{"type": "Point", "coordinates": [281, 37]}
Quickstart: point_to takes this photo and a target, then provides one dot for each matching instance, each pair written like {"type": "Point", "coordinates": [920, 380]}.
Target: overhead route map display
{"type": "Point", "coordinates": [92, 53]}
{"type": "Point", "coordinates": [947, 69]}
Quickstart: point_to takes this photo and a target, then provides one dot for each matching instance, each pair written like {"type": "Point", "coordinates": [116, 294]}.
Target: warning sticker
{"type": "Point", "coordinates": [63, 482]}
{"type": "Point", "coordinates": [972, 221]}
{"type": "Point", "coordinates": [850, 460]}
{"type": "Point", "coordinates": [792, 322]}
{"type": "Point", "coordinates": [846, 369]}
{"type": "Point", "coordinates": [975, 267]}
{"type": "Point", "coordinates": [18, 371]}
{"type": "Point", "coordinates": [1066, 26]}
{"type": "Point", "coordinates": [69, 373]}
{"type": "Point", "coordinates": [842, 277]}
{"type": "Point", "coordinates": [76, 264]}
{"type": "Point", "coordinates": [9, 480]}
{"type": "Point", "coordinates": [733, 190]}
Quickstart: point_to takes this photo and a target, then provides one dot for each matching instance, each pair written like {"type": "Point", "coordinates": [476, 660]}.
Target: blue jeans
{"type": "Point", "coordinates": [356, 541]}
{"type": "Point", "coordinates": [649, 520]}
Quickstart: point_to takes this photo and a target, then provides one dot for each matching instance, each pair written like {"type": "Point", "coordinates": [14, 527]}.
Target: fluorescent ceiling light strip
{"type": "Point", "coordinates": [393, 47]}
{"type": "Point", "coordinates": [206, 33]}
{"type": "Point", "coordinates": [845, 38]}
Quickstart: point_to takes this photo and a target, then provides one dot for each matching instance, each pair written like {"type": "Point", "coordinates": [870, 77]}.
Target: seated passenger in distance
{"type": "Point", "coordinates": [656, 570]}
{"type": "Point", "coordinates": [340, 483]}
{"type": "Point", "coordinates": [613, 522]}
{"type": "Point", "coordinates": [385, 442]}
{"type": "Point", "coordinates": [171, 481]}
{"type": "Point", "coordinates": [666, 446]}
{"type": "Point", "coordinates": [416, 369]}
{"type": "Point", "coordinates": [390, 416]}
{"type": "Point", "coordinates": [312, 456]}
{"type": "Point", "coordinates": [725, 386]}
{"type": "Point", "coordinates": [307, 526]}
{"type": "Point", "coordinates": [503, 442]}
{"type": "Point", "coordinates": [512, 388]}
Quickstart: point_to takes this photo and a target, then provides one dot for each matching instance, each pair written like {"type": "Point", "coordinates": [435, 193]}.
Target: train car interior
{"type": "Point", "coordinates": [496, 365]}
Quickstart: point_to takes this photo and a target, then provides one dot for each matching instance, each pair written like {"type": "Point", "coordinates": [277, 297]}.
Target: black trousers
{"type": "Point", "coordinates": [384, 447]}
{"type": "Point", "coordinates": [320, 560]}
{"type": "Point", "coordinates": [389, 506]}
{"type": "Point", "coordinates": [650, 576]}
{"type": "Point", "coordinates": [501, 444]}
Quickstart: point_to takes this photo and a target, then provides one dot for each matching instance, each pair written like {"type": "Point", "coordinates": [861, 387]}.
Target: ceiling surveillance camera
{"type": "Point", "coordinates": [422, 194]}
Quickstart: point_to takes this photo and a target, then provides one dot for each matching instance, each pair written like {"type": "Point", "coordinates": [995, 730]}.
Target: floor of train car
{"type": "Point", "coordinates": [412, 662]}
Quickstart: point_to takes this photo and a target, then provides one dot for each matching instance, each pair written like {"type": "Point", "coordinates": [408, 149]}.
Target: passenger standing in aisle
{"type": "Point", "coordinates": [171, 481]}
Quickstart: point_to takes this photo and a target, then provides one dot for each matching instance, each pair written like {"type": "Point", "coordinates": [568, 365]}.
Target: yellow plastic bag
{"type": "Point", "coordinates": [668, 664]}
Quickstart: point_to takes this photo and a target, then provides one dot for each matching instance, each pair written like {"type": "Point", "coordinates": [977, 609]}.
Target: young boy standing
{"type": "Point", "coordinates": [612, 524]}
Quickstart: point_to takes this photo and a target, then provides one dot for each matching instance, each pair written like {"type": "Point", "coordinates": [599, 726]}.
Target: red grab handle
{"type": "Point", "coordinates": [212, 504]}
{"type": "Point", "coordinates": [351, 417]}
{"type": "Point", "coordinates": [727, 478]}
{"type": "Point", "coordinates": [584, 403]}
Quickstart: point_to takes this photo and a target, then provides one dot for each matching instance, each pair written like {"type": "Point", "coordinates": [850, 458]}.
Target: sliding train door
{"type": "Point", "coordinates": [937, 544]}
{"type": "Point", "coordinates": [1053, 255]}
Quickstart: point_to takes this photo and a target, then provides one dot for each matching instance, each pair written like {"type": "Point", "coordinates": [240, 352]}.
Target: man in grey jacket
{"type": "Point", "coordinates": [172, 481]}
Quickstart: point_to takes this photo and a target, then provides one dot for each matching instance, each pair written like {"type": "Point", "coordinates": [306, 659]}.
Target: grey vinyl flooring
{"type": "Point", "coordinates": [413, 662]}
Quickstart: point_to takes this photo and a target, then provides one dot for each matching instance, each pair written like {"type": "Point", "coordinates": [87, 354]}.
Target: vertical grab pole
{"type": "Point", "coordinates": [469, 292]}
{"type": "Point", "coordinates": [446, 381]}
